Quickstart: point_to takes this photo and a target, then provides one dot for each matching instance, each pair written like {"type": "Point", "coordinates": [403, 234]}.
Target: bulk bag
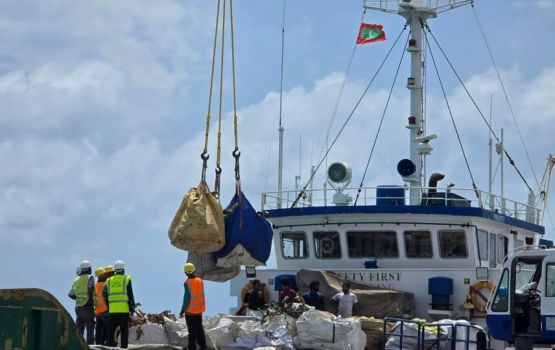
{"type": "Point", "coordinates": [198, 225]}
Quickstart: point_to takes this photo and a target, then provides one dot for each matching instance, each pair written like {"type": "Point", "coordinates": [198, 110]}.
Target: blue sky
{"type": "Point", "coordinates": [103, 105]}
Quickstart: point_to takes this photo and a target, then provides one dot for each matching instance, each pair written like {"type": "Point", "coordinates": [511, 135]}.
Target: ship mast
{"type": "Point", "coordinates": [416, 12]}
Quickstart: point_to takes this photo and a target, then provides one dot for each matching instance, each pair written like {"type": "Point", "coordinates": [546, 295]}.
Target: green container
{"type": "Point", "coordinates": [33, 319]}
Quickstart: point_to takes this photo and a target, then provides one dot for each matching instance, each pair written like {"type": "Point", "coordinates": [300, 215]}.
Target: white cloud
{"type": "Point", "coordinates": [546, 4]}
{"type": "Point", "coordinates": [53, 96]}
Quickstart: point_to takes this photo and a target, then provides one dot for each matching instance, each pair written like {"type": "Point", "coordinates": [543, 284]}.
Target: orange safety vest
{"type": "Point", "coordinates": [197, 305]}
{"type": "Point", "coordinates": [101, 306]}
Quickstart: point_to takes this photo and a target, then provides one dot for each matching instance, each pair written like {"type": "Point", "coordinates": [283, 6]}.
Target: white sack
{"type": "Point", "coordinates": [222, 332]}
{"type": "Point", "coordinates": [176, 331]}
{"type": "Point", "coordinates": [462, 327]}
{"type": "Point", "coordinates": [410, 334]}
{"type": "Point", "coordinates": [248, 334]}
{"type": "Point", "coordinates": [318, 330]}
{"type": "Point", "coordinates": [153, 333]}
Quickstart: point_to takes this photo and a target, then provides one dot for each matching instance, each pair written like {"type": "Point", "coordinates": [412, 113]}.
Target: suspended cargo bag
{"type": "Point", "coordinates": [206, 268]}
{"type": "Point", "coordinates": [198, 225]}
{"type": "Point", "coordinates": [248, 235]}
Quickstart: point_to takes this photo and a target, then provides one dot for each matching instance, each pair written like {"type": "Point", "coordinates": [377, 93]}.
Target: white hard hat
{"type": "Point", "coordinates": [119, 265]}
{"type": "Point", "coordinates": [85, 264]}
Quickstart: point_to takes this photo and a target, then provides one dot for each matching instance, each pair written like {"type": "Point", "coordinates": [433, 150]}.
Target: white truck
{"type": "Point", "coordinates": [521, 309]}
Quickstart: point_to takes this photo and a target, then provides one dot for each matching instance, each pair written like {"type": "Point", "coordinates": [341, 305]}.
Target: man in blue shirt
{"type": "Point", "coordinates": [313, 297]}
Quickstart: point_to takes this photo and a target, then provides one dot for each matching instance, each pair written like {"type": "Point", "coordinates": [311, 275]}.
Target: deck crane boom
{"type": "Point", "coordinates": [544, 186]}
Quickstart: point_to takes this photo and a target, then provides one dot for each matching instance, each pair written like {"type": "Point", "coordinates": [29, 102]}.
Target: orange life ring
{"type": "Point", "coordinates": [476, 294]}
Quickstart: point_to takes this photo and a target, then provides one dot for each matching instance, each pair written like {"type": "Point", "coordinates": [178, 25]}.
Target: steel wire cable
{"type": "Point", "coordinates": [348, 118]}
{"type": "Point", "coordinates": [381, 121]}
{"type": "Point", "coordinates": [511, 161]}
{"type": "Point", "coordinates": [452, 119]}
{"type": "Point", "coordinates": [490, 52]}
{"type": "Point", "coordinates": [340, 95]}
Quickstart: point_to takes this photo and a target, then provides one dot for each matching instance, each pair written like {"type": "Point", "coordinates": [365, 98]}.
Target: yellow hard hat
{"type": "Point", "coordinates": [100, 271]}
{"type": "Point", "coordinates": [108, 268]}
{"type": "Point", "coordinates": [189, 268]}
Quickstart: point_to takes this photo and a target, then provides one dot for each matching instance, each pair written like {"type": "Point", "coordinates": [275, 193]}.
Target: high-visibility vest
{"type": "Point", "coordinates": [118, 301]}
{"type": "Point", "coordinates": [197, 305]}
{"type": "Point", "coordinates": [101, 306]}
{"type": "Point", "coordinates": [81, 289]}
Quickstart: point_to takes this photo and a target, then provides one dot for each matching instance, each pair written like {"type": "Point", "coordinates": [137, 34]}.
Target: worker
{"type": "Point", "coordinates": [254, 299]}
{"type": "Point", "coordinates": [101, 310]}
{"type": "Point", "coordinates": [313, 297]}
{"type": "Point", "coordinates": [194, 304]}
{"type": "Point", "coordinates": [249, 286]}
{"type": "Point", "coordinates": [287, 295]}
{"type": "Point", "coordinates": [82, 291]}
{"type": "Point", "coordinates": [118, 294]}
{"type": "Point", "coordinates": [346, 301]}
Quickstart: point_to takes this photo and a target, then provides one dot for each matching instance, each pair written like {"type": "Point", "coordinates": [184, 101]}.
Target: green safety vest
{"type": "Point", "coordinates": [118, 301]}
{"type": "Point", "coordinates": [81, 289]}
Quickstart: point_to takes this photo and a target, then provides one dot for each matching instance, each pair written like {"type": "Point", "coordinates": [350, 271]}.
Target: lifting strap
{"type": "Point", "coordinates": [219, 147]}
{"type": "Point", "coordinates": [204, 156]}
{"type": "Point", "coordinates": [236, 153]}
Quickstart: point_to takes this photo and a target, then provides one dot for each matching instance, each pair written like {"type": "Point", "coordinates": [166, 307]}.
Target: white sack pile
{"type": "Point", "coordinates": [322, 330]}
{"type": "Point", "coordinates": [222, 332]}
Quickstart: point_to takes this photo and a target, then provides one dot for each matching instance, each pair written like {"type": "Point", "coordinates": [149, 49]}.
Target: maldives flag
{"type": "Point", "coordinates": [368, 33]}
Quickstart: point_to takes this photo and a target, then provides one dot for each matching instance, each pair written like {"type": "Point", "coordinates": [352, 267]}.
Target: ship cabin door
{"type": "Point", "coordinates": [526, 273]}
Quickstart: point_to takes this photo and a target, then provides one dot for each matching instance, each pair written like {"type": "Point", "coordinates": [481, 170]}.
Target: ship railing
{"type": "Point", "coordinates": [392, 6]}
{"type": "Point", "coordinates": [398, 195]}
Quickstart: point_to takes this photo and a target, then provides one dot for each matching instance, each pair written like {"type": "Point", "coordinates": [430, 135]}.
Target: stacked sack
{"type": "Point", "coordinates": [322, 330]}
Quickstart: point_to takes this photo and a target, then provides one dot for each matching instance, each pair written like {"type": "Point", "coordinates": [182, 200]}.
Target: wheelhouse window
{"type": "Point", "coordinates": [492, 250]}
{"type": "Point", "coordinates": [380, 244]}
{"type": "Point", "coordinates": [418, 244]}
{"type": "Point", "coordinates": [452, 244]}
{"type": "Point", "coordinates": [327, 245]}
{"type": "Point", "coordinates": [550, 280]}
{"type": "Point", "coordinates": [483, 244]}
{"type": "Point", "coordinates": [294, 245]}
{"type": "Point", "coordinates": [502, 248]}
{"type": "Point", "coordinates": [500, 302]}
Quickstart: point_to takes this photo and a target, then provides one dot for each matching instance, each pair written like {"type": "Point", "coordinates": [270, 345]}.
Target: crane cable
{"type": "Point", "coordinates": [236, 153]}
{"type": "Point", "coordinates": [511, 161]}
{"type": "Point", "coordinates": [510, 107]}
{"type": "Point", "coordinates": [204, 156]}
{"type": "Point", "coordinates": [381, 121]}
{"type": "Point", "coordinates": [219, 146]}
{"type": "Point", "coordinates": [348, 118]}
{"type": "Point", "coordinates": [505, 94]}
{"type": "Point", "coordinates": [474, 187]}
